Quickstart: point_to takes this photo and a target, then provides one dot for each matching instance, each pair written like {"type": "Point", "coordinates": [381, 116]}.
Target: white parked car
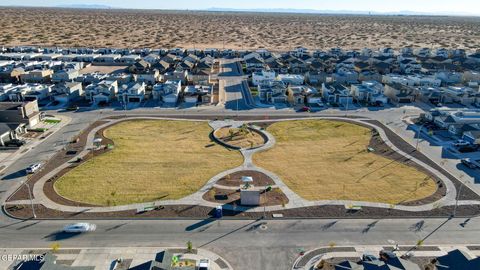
{"type": "Point", "coordinates": [461, 143]}
{"type": "Point", "coordinates": [203, 264]}
{"type": "Point", "coordinates": [80, 227]}
{"type": "Point", "coordinates": [33, 168]}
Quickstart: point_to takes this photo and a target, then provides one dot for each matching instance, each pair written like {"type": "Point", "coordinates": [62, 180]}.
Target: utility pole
{"type": "Point", "coordinates": [458, 197]}
{"type": "Point", "coordinates": [418, 136]}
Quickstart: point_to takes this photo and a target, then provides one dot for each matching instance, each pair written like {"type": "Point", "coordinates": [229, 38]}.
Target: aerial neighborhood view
{"type": "Point", "coordinates": [251, 135]}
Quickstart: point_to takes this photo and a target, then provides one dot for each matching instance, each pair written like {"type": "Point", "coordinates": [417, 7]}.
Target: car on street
{"type": "Point", "coordinates": [460, 143]}
{"type": "Point", "coordinates": [469, 163]}
{"type": "Point", "coordinates": [304, 109]}
{"type": "Point", "coordinates": [15, 142]}
{"type": "Point", "coordinates": [33, 168]}
{"type": "Point", "coordinates": [203, 264]}
{"type": "Point", "coordinates": [72, 108]}
{"type": "Point", "coordinates": [80, 228]}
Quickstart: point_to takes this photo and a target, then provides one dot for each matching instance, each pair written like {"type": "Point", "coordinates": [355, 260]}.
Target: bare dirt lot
{"type": "Point", "coordinates": [188, 29]}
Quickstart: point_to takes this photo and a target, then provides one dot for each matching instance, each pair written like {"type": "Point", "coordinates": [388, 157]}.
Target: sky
{"type": "Point", "coordinates": [431, 6]}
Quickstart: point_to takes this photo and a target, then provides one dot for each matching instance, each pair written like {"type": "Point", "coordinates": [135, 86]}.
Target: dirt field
{"type": "Point", "coordinates": [240, 137]}
{"type": "Point", "coordinates": [152, 160]}
{"type": "Point", "coordinates": [325, 160]}
{"type": "Point", "coordinates": [103, 69]}
{"type": "Point", "coordinates": [157, 29]}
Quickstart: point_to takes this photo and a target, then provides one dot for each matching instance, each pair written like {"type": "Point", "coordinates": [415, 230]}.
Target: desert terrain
{"type": "Point", "coordinates": [190, 29]}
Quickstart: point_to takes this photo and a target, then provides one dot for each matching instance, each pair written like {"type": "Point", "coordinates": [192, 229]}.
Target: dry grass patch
{"type": "Point", "coordinates": [326, 160]}
{"type": "Point", "coordinates": [152, 160]}
{"type": "Point", "coordinates": [239, 137]}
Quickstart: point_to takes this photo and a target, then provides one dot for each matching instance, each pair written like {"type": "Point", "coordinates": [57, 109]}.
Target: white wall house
{"type": "Point", "coordinates": [264, 75]}
{"type": "Point", "coordinates": [167, 92]}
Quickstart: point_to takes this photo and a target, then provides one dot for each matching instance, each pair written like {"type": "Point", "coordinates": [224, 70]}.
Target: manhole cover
{"type": "Point", "coordinates": [263, 227]}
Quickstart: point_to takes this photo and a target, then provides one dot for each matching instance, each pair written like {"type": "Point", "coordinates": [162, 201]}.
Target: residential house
{"type": "Point", "coordinates": [272, 92]}
{"type": "Point", "coordinates": [10, 74]}
{"type": "Point", "coordinates": [295, 95]}
{"type": "Point", "coordinates": [90, 78]}
{"type": "Point", "coordinates": [399, 93]}
{"type": "Point", "coordinates": [67, 91]}
{"type": "Point", "coordinates": [152, 58]}
{"type": "Point", "coordinates": [149, 77]}
{"type": "Point", "coordinates": [30, 92]}
{"type": "Point", "coordinates": [430, 94]}
{"type": "Point", "coordinates": [345, 76]}
{"type": "Point", "coordinates": [37, 76]}
{"type": "Point", "coordinates": [167, 92]}
{"type": "Point", "coordinates": [471, 76]}
{"type": "Point", "coordinates": [460, 94]}
{"type": "Point", "coordinates": [264, 75]}
{"type": "Point", "coordinates": [129, 59]}
{"type": "Point", "coordinates": [291, 79]}
{"type": "Point", "coordinates": [254, 62]}
{"type": "Point", "coordinates": [201, 72]}
{"type": "Point", "coordinates": [139, 67]}
{"type": "Point", "coordinates": [369, 76]}
{"type": "Point", "coordinates": [176, 75]}
{"type": "Point", "coordinates": [336, 93]}
{"type": "Point", "coordinates": [108, 58]}
{"type": "Point", "coordinates": [369, 92]}
{"type": "Point", "coordinates": [316, 77]}
{"type": "Point", "coordinates": [101, 92]}
{"type": "Point", "coordinates": [132, 92]}
{"type": "Point", "coordinates": [449, 77]}
{"type": "Point", "coordinates": [297, 66]}
{"type": "Point", "coordinates": [65, 76]}
{"type": "Point", "coordinates": [26, 113]}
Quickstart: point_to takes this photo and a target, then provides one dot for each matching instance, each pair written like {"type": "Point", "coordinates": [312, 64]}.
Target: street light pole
{"type": "Point", "coordinates": [458, 197]}
{"type": "Point", "coordinates": [265, 204]}
{"type": "Point", "coordinates": [31, 199]}
{"type": "Point", "coordinates": [418, 136]}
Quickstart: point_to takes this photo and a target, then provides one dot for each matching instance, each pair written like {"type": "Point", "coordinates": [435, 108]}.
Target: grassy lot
{"type": "Point", "coordinates": [324, 160]}
{"type": "Point", "coordinates": [240, 137]}
{"type": "Point", "coordinates": [152, 160]}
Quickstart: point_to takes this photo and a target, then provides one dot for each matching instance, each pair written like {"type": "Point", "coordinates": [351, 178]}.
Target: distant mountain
{"type": "Point", "coordinates": [85, 6]}
{"type": "Point", "coordinates": [352, 12]}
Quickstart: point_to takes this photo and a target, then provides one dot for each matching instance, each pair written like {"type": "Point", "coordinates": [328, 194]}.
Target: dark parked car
{"type": "Point", "coordinates": [387, 255]}
{"type": "Point", "coordinates": [15, 142]}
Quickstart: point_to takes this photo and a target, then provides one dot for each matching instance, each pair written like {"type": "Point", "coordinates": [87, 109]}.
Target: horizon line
{"type": "Point", "coordinates": [260, 10]}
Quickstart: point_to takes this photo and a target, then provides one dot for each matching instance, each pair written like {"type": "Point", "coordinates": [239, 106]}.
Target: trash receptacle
{"type": "Point", "coordinates": [218, 212]}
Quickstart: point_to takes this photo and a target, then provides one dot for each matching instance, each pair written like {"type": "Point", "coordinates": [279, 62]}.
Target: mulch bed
{"type": "Point", "coordinates": [232, 197]}
{"type": "Point", "coordinates": [195, 211]}
{"type": "Point", "coordinates": [235, 179]}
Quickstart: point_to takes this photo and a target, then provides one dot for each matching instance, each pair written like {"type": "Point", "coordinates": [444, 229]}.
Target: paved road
{"type": "Point", "coordinates": [246, 247]}
{"type": "Point", "coordinates": [244, 243]}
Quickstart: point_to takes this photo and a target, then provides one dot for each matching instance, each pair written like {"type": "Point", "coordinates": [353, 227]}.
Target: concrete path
{"type": "Point", "coordinates": [295, 201]}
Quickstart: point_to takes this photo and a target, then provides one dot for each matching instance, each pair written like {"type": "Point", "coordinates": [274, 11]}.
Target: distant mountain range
{"type": "Point", "coordinates": [85, 6]}
{"type": "Point", "coordinates": [352, 12]}
{"type": "Point", "coordinates": [286, 10]}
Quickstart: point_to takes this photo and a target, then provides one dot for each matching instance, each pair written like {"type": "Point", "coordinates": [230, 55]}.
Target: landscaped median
{"type": "Point", "coordinates": [152, 160]}
{"type": "Point", "coordinates": [330, 160]}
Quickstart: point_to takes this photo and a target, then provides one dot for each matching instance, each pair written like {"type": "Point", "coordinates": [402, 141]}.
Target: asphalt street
{"type": "Point", "coordinates": [245, 244]}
